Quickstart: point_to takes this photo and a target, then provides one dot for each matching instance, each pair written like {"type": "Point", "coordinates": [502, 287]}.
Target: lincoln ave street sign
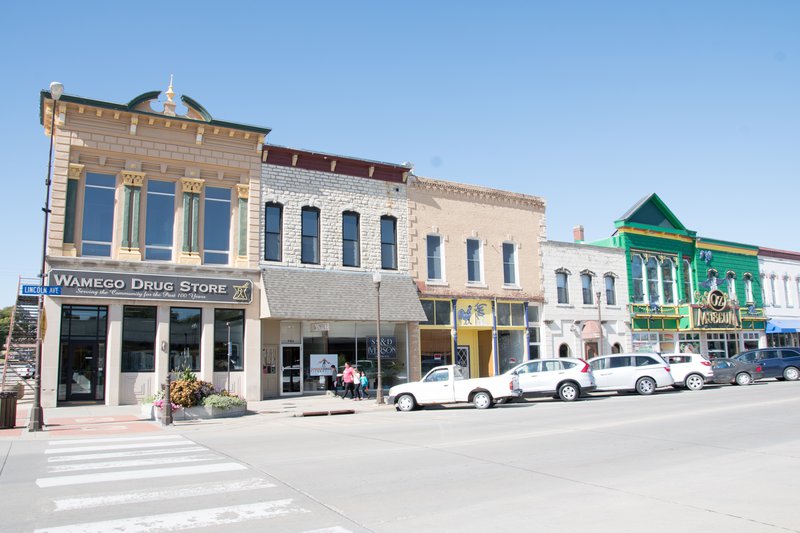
{"type": "Point", "coordinates": [152, 287]}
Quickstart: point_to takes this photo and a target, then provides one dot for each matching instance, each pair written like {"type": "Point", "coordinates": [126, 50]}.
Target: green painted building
{"type": "Point", "coordinates": [687, 292]}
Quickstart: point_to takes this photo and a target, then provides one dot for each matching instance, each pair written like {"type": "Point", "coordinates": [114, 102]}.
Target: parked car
{"type": "Point", "coordinates": [735, 371]}
{"type": "Point", "coordinates": [781, 363]}
{"type": "Point", "coordinates": [448, 384]}
{"type": "Point", "coordinates": [566, 378]}
{"type": "Point", "coordinates": [690, 370]}
{"type": "Point", "coordinates": [640, 372]}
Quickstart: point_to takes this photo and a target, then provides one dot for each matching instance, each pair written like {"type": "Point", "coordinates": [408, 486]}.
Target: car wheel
{"type": "Point", "coordinates": [645, 386]}
{"type": "Point", "coordinates": [405, 403]}
{"type": "Point", "coordinates": [743, 378]}
{"type": "Point", "coordinates": [482, 400]}
{"type": "Point", "coordinates": [694, 382]}
{"type": "Point", "coordinates": [791, 373]}
{"type": "Point", "coordinates": [568, 392]}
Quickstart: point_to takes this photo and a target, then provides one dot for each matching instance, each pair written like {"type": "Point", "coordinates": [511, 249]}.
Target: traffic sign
{"type": "Point", "coordinates": [47, 290]}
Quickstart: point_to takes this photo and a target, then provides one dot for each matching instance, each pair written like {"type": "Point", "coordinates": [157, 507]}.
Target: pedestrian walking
{"type": "Point", "coordinates": [348, 379]}
{"type": "Point", "coordinates": [357, 383]}
{"type": "Point", "coordinates": [364, 384]}
{"type": "Point", "coordinates": [334, 380]}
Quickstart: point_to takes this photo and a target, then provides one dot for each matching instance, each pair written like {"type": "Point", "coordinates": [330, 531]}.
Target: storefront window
{"type": "Point", "coordinates": [534, 343]}
{"type": "Point", "coordinates": [223, 319]}
{"type": "Point", "coordinates": [184, 338]}
{"type": "Point", "coordinates": [511, 345]}
{"type": "Point", "coordinates": [509, 314]}
{"type": "Point", "coordinates": [667, 342]}
{"type": "Point", "coordinates": [750, 340]}
{"type": "Point", "coordinates": [645, 342]}
{"type": "Point", "coordinates": [437, 311]}
{"type": "Point", "coordinates": [436, 348]}
{"type": "Point", "coordinates": [138, 339]}
{"type": "Point", "coordinates": [689, 342]}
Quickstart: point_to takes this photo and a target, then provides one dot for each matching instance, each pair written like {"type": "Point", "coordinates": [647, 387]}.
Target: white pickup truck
{"type": "Point", "coordinates": [447, 384]}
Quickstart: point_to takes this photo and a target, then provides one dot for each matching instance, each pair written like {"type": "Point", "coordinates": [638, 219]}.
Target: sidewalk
{"type": "Point", "coordinates": [95, 420]}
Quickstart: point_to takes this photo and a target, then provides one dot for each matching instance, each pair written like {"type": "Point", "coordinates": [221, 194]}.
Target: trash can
{"type": "Point", "coordinates": [8, 409]}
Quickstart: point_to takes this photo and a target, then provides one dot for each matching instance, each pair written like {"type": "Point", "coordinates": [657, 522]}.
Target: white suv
{"type": "Point", "coordinates": [690, 370]}
{"type": "Point", "coordinates": [642, 372]}
{"type": "Point", "coordinates": [565, 377]}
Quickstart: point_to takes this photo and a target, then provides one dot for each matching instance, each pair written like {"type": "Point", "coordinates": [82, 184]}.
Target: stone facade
{"type": "Point", "coordinates": [574, 323]}
{"type": "Point", "coordinates": [333, 194]}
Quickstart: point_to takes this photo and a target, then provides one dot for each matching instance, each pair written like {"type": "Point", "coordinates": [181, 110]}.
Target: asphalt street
{"type": "Point", "coordinates": [721, 459]}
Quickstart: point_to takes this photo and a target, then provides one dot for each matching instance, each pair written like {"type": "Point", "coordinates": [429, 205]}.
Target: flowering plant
{"type": "Point", "coordinates": [159, 404]}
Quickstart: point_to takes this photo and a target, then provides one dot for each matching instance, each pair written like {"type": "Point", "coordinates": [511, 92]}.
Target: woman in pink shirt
{"type": "Point", "coordinates": [348, 378]}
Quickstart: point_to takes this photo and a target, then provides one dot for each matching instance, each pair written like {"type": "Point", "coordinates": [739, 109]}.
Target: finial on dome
{"type": "Point", "coordinates": [169, 105]}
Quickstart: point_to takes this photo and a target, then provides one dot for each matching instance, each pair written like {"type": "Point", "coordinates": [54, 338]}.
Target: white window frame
{"type": "Point", "coordinates": [730, 278]}
{"type": "Point", "coordinates": [613, 278]}
{"type": "Point", "coordinates": [480, 282]}
{"type": "Point", "coordinates": [690, 296]}
{"type": "Point", "coordinates": [648, 297]}
{"type": "Point", "coordinates": [787, 292]}
{"type": "Point", "coordinates": [674, 281]}
{"type": "Point", "coordinates": [584, 276]}
{"type": "Point", "coordinates": [643, 280]}
{"type": "Point", "coordinates": [443, 278]}
{"type": "Point", "coordinates": [566, 286]}
{"type": "Point", "coordinates": [748, 288]}
{"type": "Point", "coordinates": [772, 293]}
{"type": "Point", "coordinates": [515, 259]}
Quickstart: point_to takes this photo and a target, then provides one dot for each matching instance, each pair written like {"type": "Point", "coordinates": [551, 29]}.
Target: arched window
{"type": "Point", "coordinates": [563, 350]}
{"type": "Point", "coordinates": [772, 294]}
{"type": "Point", "coordinates": [388, 243]}
{"type": "Point", "coordinates": [789, 302]}
{"type": "Point", "coordinates": [616, 348]}
{"type": "Point", "coordinates": [586, 286]}
{"type": "Point", "coordinates": [688, 293]}
{"type": "Point", "coordinates": [273, 224]}
{"type": "Point", "coordinates": [611, 290]}
{"type": "Point", "coordinates": [309, 230]}
{"type": "Point", "coordinates": [668, 281]}
{"type": "Point", "coordinates": [713, 282]}
{"type": "Point", "coordinates": [730, 277]}
{"type": "Point", "coordinates": [651, 271]}
{"type": "Point", "coordinates": [748, 288]}
{"type": "Point", "coordinates": [637, 274]}
{"type": "Point", "coordinates": [351, 239]}
{"type": "Point", "coordinates": [562, 292]}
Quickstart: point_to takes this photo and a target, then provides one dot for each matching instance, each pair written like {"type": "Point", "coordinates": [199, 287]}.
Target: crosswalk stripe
{"type": "Point", "coordinates": [99, 465]}
{"type": "Point", "coordinates": [82, 479]}
{"type": "Point", "coordinates": [114, 439]}
{"type": "Point", "coordinates": [184, 520]}
{"type": "Point", "coordinates": [334, 529]}
{"type": "Point", "coordinates": [159, 444]}
{"type": "Point", "coordinates": [113, 455]}
{"type": "Point", "coordinates": [153, 495]}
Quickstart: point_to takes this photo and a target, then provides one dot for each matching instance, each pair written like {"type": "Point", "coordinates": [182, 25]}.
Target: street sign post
{"type": "Point", "coordinates": [36, 290]}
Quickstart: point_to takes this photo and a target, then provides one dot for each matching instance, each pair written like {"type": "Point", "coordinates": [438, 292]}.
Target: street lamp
{"type": "Point", "coordinates": [376, 278]}
{"type": "Point", "coordinates": [35, 423]}
{"type": "Point", "coordinates": [228, 386]}
{"type": "Point", "coordinates": [599, 324]}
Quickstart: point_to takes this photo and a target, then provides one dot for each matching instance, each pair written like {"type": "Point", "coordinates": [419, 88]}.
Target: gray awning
{"type": "Point", "coordinates": [310, 294]}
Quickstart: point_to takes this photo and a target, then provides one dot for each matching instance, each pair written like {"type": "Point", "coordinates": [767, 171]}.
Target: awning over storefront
{"type": "Point", "coordinates": [310, 294]}
{"type": "Point", "coordinates": [783, 326]}
{"type": "Point", "coordinates": [591, 330]}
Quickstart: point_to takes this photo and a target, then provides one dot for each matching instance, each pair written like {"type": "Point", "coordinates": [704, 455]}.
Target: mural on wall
{"type": "Point", "coordinates": [474, 313]}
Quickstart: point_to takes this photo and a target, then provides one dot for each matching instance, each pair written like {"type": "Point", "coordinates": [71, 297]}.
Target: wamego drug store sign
{"type": "Point", "coordinates": [152, 287]}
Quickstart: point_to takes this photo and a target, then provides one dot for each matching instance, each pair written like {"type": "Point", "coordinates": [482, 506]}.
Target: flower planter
{"type": "Point", "coordinates": [192, 413]}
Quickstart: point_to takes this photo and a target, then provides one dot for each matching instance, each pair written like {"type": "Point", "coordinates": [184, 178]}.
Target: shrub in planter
{"type": "Point", "coordinates": [223, 401]}
{"type": "Point", "coordinates": [188, 393]}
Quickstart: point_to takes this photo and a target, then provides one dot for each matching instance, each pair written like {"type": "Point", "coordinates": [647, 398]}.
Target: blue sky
{"type": "Point", "coordinates": [591, 105]}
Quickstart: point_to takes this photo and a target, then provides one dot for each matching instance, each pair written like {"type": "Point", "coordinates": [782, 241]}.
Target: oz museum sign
{"type": "Point", "coordinates": [152, 287]}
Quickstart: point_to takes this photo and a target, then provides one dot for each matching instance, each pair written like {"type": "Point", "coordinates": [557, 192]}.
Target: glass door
{"type": "Point", "coordinates": [291, 370]}
{"type": "Point", "coordinates": [84, 372]}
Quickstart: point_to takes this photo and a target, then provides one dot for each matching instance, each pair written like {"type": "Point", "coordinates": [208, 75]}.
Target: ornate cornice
{"type": "Point", "coordinates": [192, 185]}
{"type": "Point", "coordinates": [477, 192]}
{"type": "Point", "coordinates": [132, 178]}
